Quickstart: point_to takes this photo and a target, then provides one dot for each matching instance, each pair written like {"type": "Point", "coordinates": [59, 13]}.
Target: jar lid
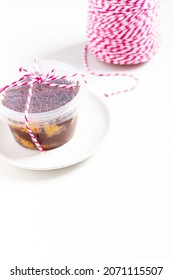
{"type": "Point", "coordinates": [57, 98]}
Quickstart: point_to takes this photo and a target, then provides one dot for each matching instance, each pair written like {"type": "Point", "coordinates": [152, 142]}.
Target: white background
{"type": "Point", "coordinates": [116, 207]}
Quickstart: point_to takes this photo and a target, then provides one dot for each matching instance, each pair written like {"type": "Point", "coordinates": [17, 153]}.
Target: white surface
{"type": "Point", "coordinates": [92, 127]}
{"type": "Point", "coordinates": [117, 205]}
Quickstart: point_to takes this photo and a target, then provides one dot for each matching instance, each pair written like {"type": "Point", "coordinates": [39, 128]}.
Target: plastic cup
{"type": "Point", "coordinates": [53, 112]}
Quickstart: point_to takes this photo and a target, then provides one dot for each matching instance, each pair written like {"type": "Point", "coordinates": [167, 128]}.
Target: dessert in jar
{"type": "Point", "coordinates": [53, 110]}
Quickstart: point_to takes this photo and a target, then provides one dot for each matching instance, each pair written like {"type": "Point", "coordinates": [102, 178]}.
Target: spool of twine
{"type": "Point", "coordinates": [123, 31]}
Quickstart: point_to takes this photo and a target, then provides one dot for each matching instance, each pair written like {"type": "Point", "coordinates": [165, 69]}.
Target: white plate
{"type": "Point", "coordinates": [91, 130]}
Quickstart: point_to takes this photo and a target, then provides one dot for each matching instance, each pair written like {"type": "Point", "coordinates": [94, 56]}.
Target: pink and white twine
{"type": "Point", "coordinates": [123, 31]}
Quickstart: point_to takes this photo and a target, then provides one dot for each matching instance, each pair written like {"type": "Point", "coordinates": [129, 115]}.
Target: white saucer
{"type": "Point", "coordinates": [93, 125]}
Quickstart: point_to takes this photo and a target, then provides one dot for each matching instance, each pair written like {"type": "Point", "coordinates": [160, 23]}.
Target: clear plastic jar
{"type": "Point", "coordinates": [53, 111]}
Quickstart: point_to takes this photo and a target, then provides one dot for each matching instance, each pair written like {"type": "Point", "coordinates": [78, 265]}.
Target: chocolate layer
{"type": "Point", "coordinates": [49, 136]}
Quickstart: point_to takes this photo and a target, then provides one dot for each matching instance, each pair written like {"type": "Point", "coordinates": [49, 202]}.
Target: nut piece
{"type": "Point", "coordinates": [53, 129]}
